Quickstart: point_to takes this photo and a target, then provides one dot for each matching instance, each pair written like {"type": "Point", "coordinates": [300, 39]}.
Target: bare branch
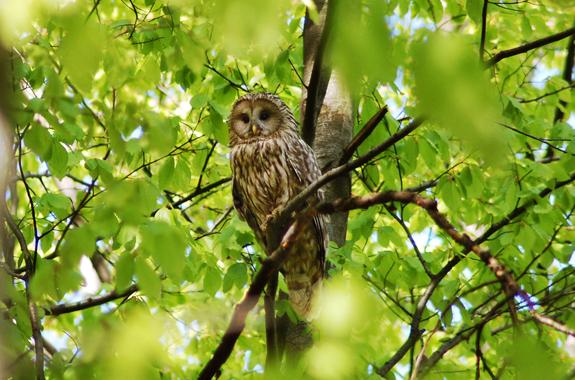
{"type": "Point", "coordinates": [530, 46]}
{"type": "Point", "coordinates": [90, 302]}
{"type": "Point", "coordinates": [538, 98]}
{"type": "Point", "coordinates": [201, 190]}
{"type": "Point", "coordinates": [297, 201]}
{"type": "Point", "coordinates": [552, 323]}
{"type": "Point", "coordinates": [483, 29]}
{"type": "Point", "coordinates": [362, 135]}
{"type": "Point", "coordinates": [567, 76]}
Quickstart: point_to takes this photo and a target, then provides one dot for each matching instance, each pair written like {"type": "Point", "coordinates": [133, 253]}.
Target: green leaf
{"type": "Point", "coordinates": [212, 281]}
{"type": "Point", "coordinates": [39, 140]}
{"type": "Point", "coordinates": [182, 174]}
{"type": "Point", "coordinates": [474, 8]}
{"type": "Point", "coordinates": [150, 70]}
{"type": "Point", "coordinates": [166, 244]}
{"type": "Point", "coordinates": [200, 100]}
{"type": "Point", "coordinates": [57, 203]}
{"type": "Point", "coordinates": [148, 279]}
{"type": "Point", "coordinates": [192, 52]}
{"type": "Point", "coordinates": [44, 281]}
{"type": "Point", "coordinates": [124, 271]}
{"type": "Point", "coordinates": [166, 173]}
{"type": "Point", "coordinates": [58, 162]}
{"type": "Point", "coordinates": [81, 51]}
{"type": "Point", "coordinates": [456, 94]}
{"type": "Point", "coordinates": [236, 275]}
{"type": "Point", "coordinates": [79, 241]}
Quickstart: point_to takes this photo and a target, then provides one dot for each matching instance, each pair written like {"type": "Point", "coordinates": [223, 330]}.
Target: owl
{"type": "Point", "coordinates": [271, 164]}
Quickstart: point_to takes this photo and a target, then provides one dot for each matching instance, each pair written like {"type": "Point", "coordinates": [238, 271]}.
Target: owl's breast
{"type": "Point", "coordinates": [263, 176]}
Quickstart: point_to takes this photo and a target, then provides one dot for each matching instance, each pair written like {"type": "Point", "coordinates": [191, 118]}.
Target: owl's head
{"type": "Point", "coordinates": [258, 116]}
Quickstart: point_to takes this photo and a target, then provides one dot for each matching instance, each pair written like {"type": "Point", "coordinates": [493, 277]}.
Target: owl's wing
{"type": "Point", "coordinates": [306, 170]}
{"type": "Point", "coordinates": [246, 214]}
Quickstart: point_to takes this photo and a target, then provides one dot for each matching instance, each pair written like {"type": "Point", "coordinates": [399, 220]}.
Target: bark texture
{"type": "Point", "coordinates": [6, 174]}
{"type": "Point", "coordinates": [334, 128]}
{"type": "Point", "coordinates": [333, 132]}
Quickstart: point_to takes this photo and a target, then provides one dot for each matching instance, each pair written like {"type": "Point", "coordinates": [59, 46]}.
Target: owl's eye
{"type": "Point", "coordinates": [245, 118]}
{"type": "Point", "coordinates": [264, 115]}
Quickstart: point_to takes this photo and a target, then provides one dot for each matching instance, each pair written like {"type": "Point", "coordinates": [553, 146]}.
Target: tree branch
{"type": "Point", "coordinates": [272, 356]}
{"type": "Point", "coordinates": [269, 266]}
{"type": "Point", "coordinates": [430, 206]}
{"type": "Point", "coordinates": [319, 79]}
{"type": "Point", "coordinates": [567, 76]}
{"type": "Point", "coordinates": [36, 334]}
{"type": "Point", "coordinates": [552, 323]}
{"type": "Point", "coordinates": [507, 280]}
{"type": "Point", "coordinates": [90, 302]}
{"type": "Point", "coordinates": [362, 135]}
{"type": "Point", "coordinates": [414, 331]}
{"type": "Point", "coordinates": [529, 46]}
{"type": "Point", "coordinates": [201, 190]}
{"type": "Point", "coordinates": [483, 30]}
{"type": "Point", "coordinates": [297, 201]}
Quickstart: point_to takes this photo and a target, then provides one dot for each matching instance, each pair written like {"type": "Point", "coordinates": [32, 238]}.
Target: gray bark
{"type": "Point", "coordinates": [333, 132]}
{"type": "Point", "coordinates": [334, 128]}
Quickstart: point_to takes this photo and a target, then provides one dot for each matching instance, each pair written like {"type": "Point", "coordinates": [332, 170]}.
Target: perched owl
{"type": "Point", "coordinates": [271, 164]}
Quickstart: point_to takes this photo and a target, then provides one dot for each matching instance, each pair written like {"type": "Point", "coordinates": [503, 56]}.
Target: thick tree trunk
{"type": "Point", "coordinates": [334, 128]}
{"type": "Point", "coordinates": [6, 173]}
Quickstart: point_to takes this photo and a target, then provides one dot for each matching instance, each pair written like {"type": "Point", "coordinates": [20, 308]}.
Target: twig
{"type": "Point", "coordinates": [94, 8]}
{"type": "Point", "coordinates": [231, 82]}
{"type": "Point", "coordinates": [297, 73]}
{"type": "Point", "coordinates": [529, 46]}
{"type": "Point", "coordinates": [478, 353]}
{"type": "Point", "coordinates": [483, 29]}
{"type": "Point", "coordinates": [32, 264]}
{"type": "Point", "coordinates": [135, 21]}
{"type": "Point", "coordinates": [414, 331]}
{"type": "Point", "coordinates": [362, 135]}
{"type": "Point", "coordinates": [204, 166]}
{"type": "Point", "coordinates": [90, 302]}
{"type": "Point", "coordinates": [552, 323]}
{"type": "Point", "coordinates": [538, 98]}
{"type": "Point", "coordinates": [200, 191]}
{"type": "Point", "coordinates": [411, 240]}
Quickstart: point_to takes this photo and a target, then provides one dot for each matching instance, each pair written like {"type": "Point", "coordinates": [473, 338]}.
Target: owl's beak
{"type": "Point", "coordinates": [254, 129]}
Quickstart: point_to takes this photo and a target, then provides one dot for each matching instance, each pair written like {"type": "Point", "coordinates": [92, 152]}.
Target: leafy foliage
{"type": "Point", "coordinates": [122, 179]}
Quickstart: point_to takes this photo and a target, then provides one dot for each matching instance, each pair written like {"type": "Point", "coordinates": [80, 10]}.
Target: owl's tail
{"type": "Point", "coordinates": [302, 299]}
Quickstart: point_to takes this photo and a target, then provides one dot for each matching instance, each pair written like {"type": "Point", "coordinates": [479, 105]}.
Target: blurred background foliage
{"type": "Point", "coordinates": [121, 184]}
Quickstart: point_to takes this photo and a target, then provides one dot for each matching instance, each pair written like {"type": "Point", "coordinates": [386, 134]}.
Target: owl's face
{"type": "Point", "coordinates": [253, 118]}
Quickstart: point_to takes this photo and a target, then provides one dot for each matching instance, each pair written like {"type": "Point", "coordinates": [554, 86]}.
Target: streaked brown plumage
{"type": "Point", "coordinates": [270, 165]}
